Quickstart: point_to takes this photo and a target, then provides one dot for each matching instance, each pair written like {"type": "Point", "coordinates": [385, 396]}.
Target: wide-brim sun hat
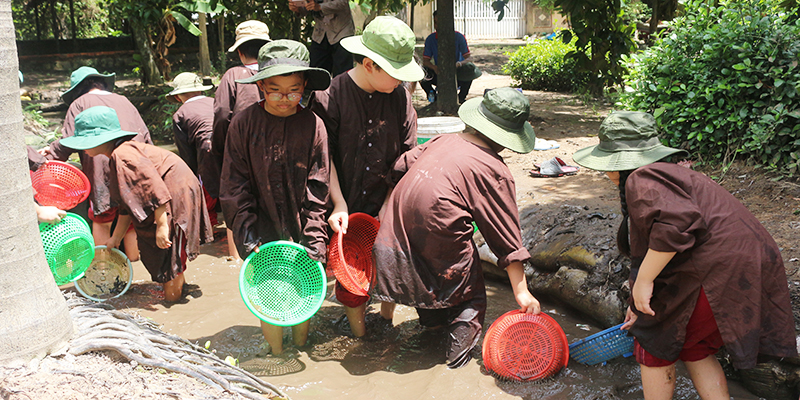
{"type": "Point", "coordinates": [502, 116]}
{"type": "Point", "coordinates": [79, 75]}
{"type": "Point", "coordinates": [390, 43]}
{"type": "Point", "coordinates": [250, 30]}
{"type": "Point", "coordinates": [187, 82]}
{"type": "Point", "coordinates": [284, 56]}
{"type": "Point", "coordinates": [628, 140]}
{"type": "Point", "coordinates": [93, 127]}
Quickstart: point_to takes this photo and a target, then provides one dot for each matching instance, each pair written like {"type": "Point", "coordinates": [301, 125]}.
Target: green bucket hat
{"type": "Point", "coordinates": [284, 56]}
{"type": "Point", "coordinates": [78, 76]}
{"type": "Point", "coordinates": [468, 72]}
{"type": "Point", "coordinates": [628, 140]}
{"type": "Point", "coordinates": [502, 116]}
{"type": "Point", "coordinates": [93, 127]}
{"type": "Point", "coordinates": [390, 43]}
{"type": "Point", "coordinates": [187, 82]}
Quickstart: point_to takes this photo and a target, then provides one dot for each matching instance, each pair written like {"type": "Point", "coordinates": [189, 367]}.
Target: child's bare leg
{"type": "Point", "coordinates": [300, 333]}
{"type": "Point", "coordinates": [131, 245]}
{"type": "Point", "coordinates": [708, 378]}
{"type": "Point", "coordinates": [232, 247]}
{"type": "Point", "coordinates": [356, 318]}
{"type": "Point", "coordinates": [174, 288]}
{"type": "Point", "coordinates": [101, 232]}
{"type": "Point", "coordinates": [274, 336]}
{"type": "Point", "coordinates": [658, 383]}
{"type": "Point", "coordinates": [387, 310]}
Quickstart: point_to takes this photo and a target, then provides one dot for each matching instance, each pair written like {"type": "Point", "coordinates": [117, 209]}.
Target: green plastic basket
{"type": "Point", "coordinates": [281, 284]}
{"type": "Point", "coordinates": [68, 247]}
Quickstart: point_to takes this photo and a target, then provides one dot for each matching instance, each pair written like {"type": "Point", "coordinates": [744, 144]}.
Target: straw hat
{"type": "Point", "coordinates": [78, 76]}
{"type": "Point", "coordinates": [502, 116]}
{"type": "Point", "coordinates": [628, 140]}
{"type": "Point", "coordinates": [187, 82]}
{"type": "Point", "coordinates": [93, 127]}
{"type": "Point", "coordinates": [390, 43]}
{"type": "Point", "coordinates": [285, 57]}
{"type": "Point", "coordinates": [250, 30]}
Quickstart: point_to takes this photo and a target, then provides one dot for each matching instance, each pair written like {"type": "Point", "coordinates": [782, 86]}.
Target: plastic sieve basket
{"type": "Point", "coordinates": [350, 255]}
{"type": "Point", "coordinates": [525, 347]}
{"type": "Point", "coordinates": [68, 247]}
{"type": "Point", "coordinates": [602, 346]}
{"type": "Point", "coordinates": [281, 284]}
{"type": "Point", "coordinates": [108, 276]}
{"type": "Point", "coordinates": [428, 128]}
{"type": "Point", "coordinates": [60, 185]}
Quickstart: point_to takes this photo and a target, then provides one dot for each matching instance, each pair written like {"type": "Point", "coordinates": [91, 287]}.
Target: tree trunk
{"type": "Point", "coordinates": [34, 319]}
{"type": "Point", "coordinates": [447, 98]}
{"type": "Point", "coordinates": [654, 21]}
{"type": "Point", "coordinates": [222, 49]}
{"type": "Point", "coordinates": [149, 72]}
{"type": "Point", "coordinates": [203, 54]}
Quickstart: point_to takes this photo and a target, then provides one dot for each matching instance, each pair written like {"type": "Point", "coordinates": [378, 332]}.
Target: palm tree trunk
{"type": "Point", "coordinates": [150, 73]}
{"type": "Point", "coordinates": [34, 319]}
{"type": "Point", "coordinates": [203, 54]}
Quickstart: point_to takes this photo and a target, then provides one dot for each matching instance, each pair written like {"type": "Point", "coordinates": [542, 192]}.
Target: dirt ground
{"type": "Point", "coordinates": [564, 118]}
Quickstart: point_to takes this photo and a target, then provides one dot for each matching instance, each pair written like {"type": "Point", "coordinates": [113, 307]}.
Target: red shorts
{"type": "Point", "coordinates": [349, 299]}
{"type": "Point", "coordinates": [211, 205]}
{"type": "Point", "coordinates": [104, 218]}
{"type": "Point", "coordinates": [702, 338]}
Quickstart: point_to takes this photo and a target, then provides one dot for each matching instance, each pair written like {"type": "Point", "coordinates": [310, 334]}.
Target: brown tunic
{"type": "Point", "coordinates": [722, 248]}
{"type": "Point", "coordinates": [275, 180]}
{"type": "Point", "coordinates": [424, 251]}
{"type": "Point", "coordinates": [96, 168]}
{"type": "Point", "coordinates": [192, 124]}
{"type": "Point", "coordinates": [367, 132]}
{"type": "Point", "coordinates": [146, 177]}
{"type": "Point", "coordinates": [229, 100]}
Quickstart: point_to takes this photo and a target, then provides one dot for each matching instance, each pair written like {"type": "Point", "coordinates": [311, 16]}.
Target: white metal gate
{"type": "Point", "coordinates": [476, 19]}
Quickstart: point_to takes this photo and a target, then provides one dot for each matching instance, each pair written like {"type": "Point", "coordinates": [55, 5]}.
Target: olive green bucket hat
{"type": "Point", "coordinates": [78, 76]}
{"type": "Point", "coordinates": [187, 82]}
{"type": "Point", "coordinates": [628, 140]}
{"type": "Point", "coordinates": [93, 127]}
{"type": "Point", "coordinates": [502, 116]}
{"type": "Point", "coordinates": [468, 72]}
{"type": "Point", "coordinates": [390, 43]}
{"type": "Point", "coordinates": [284, 56]}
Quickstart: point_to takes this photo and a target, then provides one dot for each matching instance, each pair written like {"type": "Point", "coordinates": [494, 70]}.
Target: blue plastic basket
{"type": "Point", "coordinates": [602, 346]}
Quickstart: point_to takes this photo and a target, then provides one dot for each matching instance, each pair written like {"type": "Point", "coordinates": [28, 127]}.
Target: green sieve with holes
{"type": "Point", "coordinates": [281, 284]}
{"type": "Point", "coordinates": [68, 247]}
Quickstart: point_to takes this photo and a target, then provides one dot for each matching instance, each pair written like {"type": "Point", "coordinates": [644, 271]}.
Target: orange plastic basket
{"type": "Point", "coordinates": [60, 185]}
{"type": "Point", "coordinates": [350, 255]}
{"type": "Point", "coordinates": [525, 347]}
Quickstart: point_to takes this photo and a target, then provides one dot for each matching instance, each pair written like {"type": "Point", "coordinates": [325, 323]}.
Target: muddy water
{"type": "Point", "coordinates": [392, 362]}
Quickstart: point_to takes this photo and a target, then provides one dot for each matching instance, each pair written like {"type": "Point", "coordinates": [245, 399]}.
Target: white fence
{"type": "Point", "coordinates": [476, 19]}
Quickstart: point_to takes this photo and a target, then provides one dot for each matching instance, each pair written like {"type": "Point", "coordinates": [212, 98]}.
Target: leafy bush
{"type": "Point", "coordinates": [541, 65]}
{"type": "Point", "coordinates": [725, 82]}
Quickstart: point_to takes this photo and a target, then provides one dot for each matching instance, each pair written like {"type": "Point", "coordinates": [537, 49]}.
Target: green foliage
{"type": "Point", "coordinates": [91, 19]}
{"type": "Point", "coordinates": [603, 38]}
{"type": "Point", "coordinates": [725, 82]}
{"type": "Point", "coordinates": [633, 11]}
{"type": "Point", "coordinates": [543, 65]}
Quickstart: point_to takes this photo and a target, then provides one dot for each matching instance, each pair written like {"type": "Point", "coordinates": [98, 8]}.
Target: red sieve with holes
{"type": "Point", "coordinates": [350, 255]}
{"type": "Point", "coordinates": [60, 185]}
{"type": "Point", "coordinates": [525, 347]}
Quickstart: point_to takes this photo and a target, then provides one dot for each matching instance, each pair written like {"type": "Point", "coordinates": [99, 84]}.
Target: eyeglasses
{"type": "Point", "coordinates": [294, 96]}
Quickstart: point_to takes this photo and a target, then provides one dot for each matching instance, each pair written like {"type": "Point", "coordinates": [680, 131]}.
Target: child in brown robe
{"type": "Point", "coordinates": [155, 190]}
{"type": "Point", "coordinates": [275, 172]}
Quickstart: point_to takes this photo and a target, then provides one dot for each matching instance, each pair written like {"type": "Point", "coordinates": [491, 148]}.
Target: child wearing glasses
{"type": "Point", "coordinates": [275, 173]}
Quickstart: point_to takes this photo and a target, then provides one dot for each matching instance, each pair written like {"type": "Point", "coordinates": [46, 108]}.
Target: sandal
{"type": "Point", "coordinates": [553, 168]}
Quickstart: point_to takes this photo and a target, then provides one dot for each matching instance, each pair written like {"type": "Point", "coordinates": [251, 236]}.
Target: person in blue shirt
{"type": "Point", "coordinates": [466, 71]}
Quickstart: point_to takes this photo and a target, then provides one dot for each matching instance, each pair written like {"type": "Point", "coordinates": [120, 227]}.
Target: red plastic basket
{"type": "Point", "coordinates": [525, 347]}
{"type": "Point", "coordinates": [350, 255]}
{"type": "Point", "coordinates": [60, 185]}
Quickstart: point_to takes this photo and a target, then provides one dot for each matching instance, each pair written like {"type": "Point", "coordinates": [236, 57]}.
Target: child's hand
{"type": "Point", "coordinates": [162, 236]}
{"type": "Point", "coordinates": [642, 292]}
{"type": "Point", "coordinates": [630, 318]}
{"type": "Point", "coordinates": [112, 243]}
{"type": "Point", "coordinates": [527, 303]}
{"type": "Point", "coordinates": [49, 214]}
{"type": "Point", "coordinates": [339, 220]}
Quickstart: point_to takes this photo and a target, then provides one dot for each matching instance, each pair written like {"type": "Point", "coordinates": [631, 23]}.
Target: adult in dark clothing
{"type": "Point", "coordinates": [88, 89]}
{"type": "Point", "coordinates": [333, 22]}
{"type": "Point", "coordinates": [704, 271]}
{"type": "Point", "coordinates": [155, 190]}
{"type": "Point", "coordinates": [466, 71]}
{"type": "Point", "coordinates": [424, 252]}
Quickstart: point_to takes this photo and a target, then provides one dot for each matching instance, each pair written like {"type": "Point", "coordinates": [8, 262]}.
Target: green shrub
{"type": "Point", "coordinates": [541, 65]}
{"type": "Point", "coordinates": [724, 83]}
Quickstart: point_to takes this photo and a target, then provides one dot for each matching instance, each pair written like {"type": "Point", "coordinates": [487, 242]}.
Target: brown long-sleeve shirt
{"type": "Point", "coordinates": [424, 253]}
{"type": "Point", "coordinates": [192, 125]}
{"type": "Point", "coordinates": [96, 168]}
{"type": "Point", "coordinates": [275, 180]}
{"type": "Point", "coordinates": [720, 247]}
{"type": "Point", "coordinates": [367, 132]}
